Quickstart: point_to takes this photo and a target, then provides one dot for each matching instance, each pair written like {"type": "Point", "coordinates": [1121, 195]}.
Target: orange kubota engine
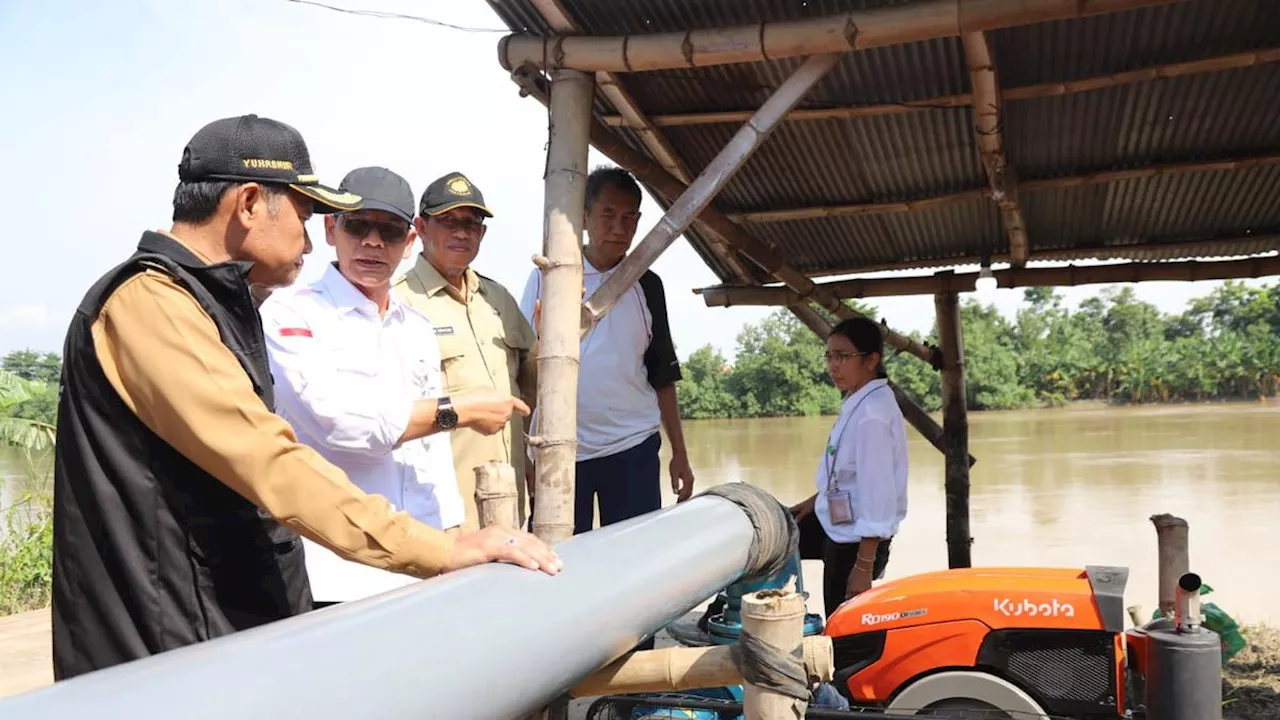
{"type": "Point", "coordinates": [1027, 642]}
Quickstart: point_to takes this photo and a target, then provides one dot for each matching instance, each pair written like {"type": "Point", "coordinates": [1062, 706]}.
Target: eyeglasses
{"type": "Point", "coordinates": [836, 358]}
{"type": "Point", "coordinates": [391, 233]}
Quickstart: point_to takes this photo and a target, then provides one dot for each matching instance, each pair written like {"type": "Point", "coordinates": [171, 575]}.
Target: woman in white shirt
{"type": "Point", "coordinates": [862, 478]}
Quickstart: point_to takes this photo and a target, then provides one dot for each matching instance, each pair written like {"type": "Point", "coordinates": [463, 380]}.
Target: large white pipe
{"type": "Point", "coordinates": [494, 641]}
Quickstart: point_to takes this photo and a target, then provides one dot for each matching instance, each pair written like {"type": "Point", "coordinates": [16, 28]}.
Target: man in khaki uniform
{"type": "Point", "coordinates": [485, 341]}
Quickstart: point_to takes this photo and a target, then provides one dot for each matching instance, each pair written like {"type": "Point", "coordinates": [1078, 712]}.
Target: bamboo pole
{"type": "Point", "coordinates": [1001, 177]}
{"type": "Point", "coordinates": [1225, 247]}
{"type": "Point", "coordinates": [709, 182]}
{"type": "Point", "coordinates": [497, 495]}
{"type": "Point", "coordinates": [755, 42]}
{"type": "Point", "coordinates": [556, 446]}
{"type": "Point", "coordinates": [1173, 549]}
{"type": "Point", "coordinates": [1025, 186]}
{"type": "Point", "coordinates": [955, 422]}
{"type": "Point", "coordinates": [717, 224]}
{"type": "Point", "coordinates": [776, 619]}
{"type": "Point", "coordinates": [1234, 61]}
{"type": "Point", "coordinates": [679, 668]}
{"type": "Point", "coordinates": [947, 282]}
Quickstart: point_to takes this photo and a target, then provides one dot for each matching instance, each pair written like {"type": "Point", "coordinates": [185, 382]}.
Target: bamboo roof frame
{"type": "Point", "coordinates": [1165, 71]}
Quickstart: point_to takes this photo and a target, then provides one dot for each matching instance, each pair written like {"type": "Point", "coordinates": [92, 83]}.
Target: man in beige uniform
{"type": "Point", "coordinates": [485, 342]}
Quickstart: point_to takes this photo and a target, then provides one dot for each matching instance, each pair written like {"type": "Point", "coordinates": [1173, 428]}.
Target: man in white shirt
{"type": "Point", "coordinates": [357, 375]}
{"type": "Point", "coordinates": [628, 371]}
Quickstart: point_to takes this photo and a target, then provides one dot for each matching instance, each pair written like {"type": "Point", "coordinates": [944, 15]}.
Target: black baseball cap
{"type": "Point", "coordinates": [380, 189]}
{"type": "Point", "coordinates": [452, 191]}
{"type": "Point", "coordinates": [256, 149]}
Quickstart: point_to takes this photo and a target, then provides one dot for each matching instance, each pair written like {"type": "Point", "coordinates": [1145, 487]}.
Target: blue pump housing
{"type": "Point", "coordinates": [725, 628]}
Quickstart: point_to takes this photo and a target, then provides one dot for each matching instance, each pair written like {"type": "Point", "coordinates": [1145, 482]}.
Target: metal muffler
{"type": "Point", "coordinates": [1180, 660]}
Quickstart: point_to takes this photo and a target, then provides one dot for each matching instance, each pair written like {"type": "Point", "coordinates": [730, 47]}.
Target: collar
{"type": "Point", "coordinates": [854, 398]}
{"type": "Point", "coordinates": [170, 246]}
{"type": "Point", "coordinates": [347, 297]}
{"type": "Point", "coordinates": [434, 283]}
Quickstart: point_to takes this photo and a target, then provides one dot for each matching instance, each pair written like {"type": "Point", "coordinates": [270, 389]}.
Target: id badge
{"type": "Point", "coordinates": [840, 505]}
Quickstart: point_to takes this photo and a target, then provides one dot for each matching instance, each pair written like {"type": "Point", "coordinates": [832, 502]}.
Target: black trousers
{"type": "Point", "coordinates": [837, 560]}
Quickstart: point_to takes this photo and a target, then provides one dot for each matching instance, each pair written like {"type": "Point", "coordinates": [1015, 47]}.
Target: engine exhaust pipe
{"type": "Point", "coordinates": [1186, 608]}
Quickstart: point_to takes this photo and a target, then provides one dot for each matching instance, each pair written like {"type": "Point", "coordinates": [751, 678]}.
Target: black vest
{"type": "Point", "coordinates": [150, 552]}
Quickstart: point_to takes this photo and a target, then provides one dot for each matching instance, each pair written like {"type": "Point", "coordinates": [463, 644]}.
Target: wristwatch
{"type": "Point", "coordinates": [446, 416]}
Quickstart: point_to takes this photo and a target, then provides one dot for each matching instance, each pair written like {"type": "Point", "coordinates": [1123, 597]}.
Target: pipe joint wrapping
{"type": "Point", "coordinates": [776, 537]}
{"type": "Point", "coordinates": [765, 666]}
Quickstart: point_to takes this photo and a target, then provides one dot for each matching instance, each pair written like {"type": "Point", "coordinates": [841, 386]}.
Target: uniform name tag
{"type": "Point", "coordinates": [444, 329]}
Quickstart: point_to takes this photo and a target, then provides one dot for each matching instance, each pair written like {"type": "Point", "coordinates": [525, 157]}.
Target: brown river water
{"type": "Point", "coordinates": [1066, 487]}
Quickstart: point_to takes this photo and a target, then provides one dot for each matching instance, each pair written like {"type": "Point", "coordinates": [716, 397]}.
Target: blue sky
{"type": "Point", "coordinates": [100, 98]}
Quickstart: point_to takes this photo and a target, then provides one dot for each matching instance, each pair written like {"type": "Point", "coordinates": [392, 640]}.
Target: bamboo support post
{"type": "Point", "coordinates": [718, 225]}
{"type": "Point", "coordinates": [497, 495]}
{"type": "Point", "coordinates": [1070, 276]}
{"type": "Point", "coordinates": [955, 423]}
{"type": "Point", "coordinates": [556, 447]}
{"type": "Point", "coordinates": [703, 189]}
{"type": "Point", "coordinates": [755, 42]}
{"type": "Point", "coordinates": [1173, 549]}
{"type": "Point", "coordinates": [776, 619]}
{"type": "Point", "coordinates": [1001, 177]}
{"type": "Point", "coordinates": [679, 668]}
{"type": "Point", "coordinates": [1163, 71]}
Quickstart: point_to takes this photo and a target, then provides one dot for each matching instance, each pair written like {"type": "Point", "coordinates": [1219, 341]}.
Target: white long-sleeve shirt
{"type": "Point", "coordinates": [346, 380]}
{"type": "Point", "coordinates": [870, 463]}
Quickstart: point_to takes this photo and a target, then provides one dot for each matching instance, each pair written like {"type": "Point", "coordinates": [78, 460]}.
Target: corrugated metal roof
{"type": "Point", "coordinates": [931, 152]}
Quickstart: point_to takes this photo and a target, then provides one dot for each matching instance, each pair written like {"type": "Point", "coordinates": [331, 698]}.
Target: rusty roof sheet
{"type": "Point", "coordinates": [933, 151]}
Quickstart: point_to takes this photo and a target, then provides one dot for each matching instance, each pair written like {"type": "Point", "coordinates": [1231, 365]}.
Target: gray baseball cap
{"type": "Point", "coordinates": [381, 190]}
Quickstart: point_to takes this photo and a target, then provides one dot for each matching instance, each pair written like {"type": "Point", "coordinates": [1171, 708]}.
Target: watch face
{"type": "Point", "coordinates": [447, 418]}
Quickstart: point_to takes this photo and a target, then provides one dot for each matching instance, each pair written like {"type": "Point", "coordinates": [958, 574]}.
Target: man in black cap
{"type": "Point", "coordinates": [357, 375]}
{"type": "Point", "coordinates": [485, 343]}
{"type": "Point", "coordinates": [178, 493]}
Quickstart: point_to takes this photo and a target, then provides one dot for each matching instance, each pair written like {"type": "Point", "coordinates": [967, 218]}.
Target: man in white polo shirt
{"type": "Point", "coordinates": [628, 371]}
{"type": "Point", "coordinates": [357, 375]}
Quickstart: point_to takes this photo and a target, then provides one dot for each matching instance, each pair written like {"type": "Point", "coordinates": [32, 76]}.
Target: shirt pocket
{"type": "Point", "coordinates": [455, 363]}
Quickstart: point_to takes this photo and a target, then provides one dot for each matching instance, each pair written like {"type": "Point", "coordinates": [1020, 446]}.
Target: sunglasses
{"type": "Point", "coordinates": [390, 232]}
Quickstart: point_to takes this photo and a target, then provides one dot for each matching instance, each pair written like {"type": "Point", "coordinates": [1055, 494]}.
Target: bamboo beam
{"type": "Point", "coordinates": [755, 42]}
{"type": "Point", "coordinates": [955, 423]}
{"type": "Point", "coordinates": [1002, 179]}
{"type": "Point", "coordinates": [710, 181]}
{"type": "Point", "coordinates": [1234, 61]}
{"type": "Point", "coordinates": [497, 495]}
{"type": "Point", "coordinates": [717, 225]}
{"type": "Point", "coordinates": [1217, 248]}
{"type": "Point", "coordinates": [947, 282]}
{"type": "Point", "coordinates": [558, 346]}
{"type": "Point", "coordinates": [558, 17]}
{"type": "Point", "coordinates": [688, 668]}
{"type": "Point", "coordinates": [1025, 186]}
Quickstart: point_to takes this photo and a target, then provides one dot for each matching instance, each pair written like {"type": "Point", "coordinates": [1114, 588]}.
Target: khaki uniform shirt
{"type": "Point", "coordinates": [485, 343]}
{"type": "Point", "coordinates": [152, 338]}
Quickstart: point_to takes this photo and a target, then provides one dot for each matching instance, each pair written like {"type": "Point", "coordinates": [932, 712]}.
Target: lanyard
{"type": "Point", "coordinates": [834, 447]}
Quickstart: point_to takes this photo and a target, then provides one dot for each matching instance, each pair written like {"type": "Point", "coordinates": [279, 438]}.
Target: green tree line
{"type": "Point", "coordinates": [1113, 348]}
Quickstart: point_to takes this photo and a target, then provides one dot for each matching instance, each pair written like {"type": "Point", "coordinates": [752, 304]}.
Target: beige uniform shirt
{"type": "Point", "coordinates": [152, 338]}
{"type": "Point", "coordinates": [485, 343]}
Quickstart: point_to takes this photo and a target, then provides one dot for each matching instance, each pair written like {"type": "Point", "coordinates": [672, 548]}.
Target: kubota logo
{"type": "Point", "coordinates": [1012, 608]}
{"type": "Point", "coordinates": [874, 619]}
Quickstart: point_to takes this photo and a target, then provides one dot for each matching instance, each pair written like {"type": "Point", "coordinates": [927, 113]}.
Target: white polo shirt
{"type": "Point", "coordinates": [617, 405]}
{"type": "Point", "coordinates": [346, 380]}
{"type": "Point", "coordinates": [867, 448]}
